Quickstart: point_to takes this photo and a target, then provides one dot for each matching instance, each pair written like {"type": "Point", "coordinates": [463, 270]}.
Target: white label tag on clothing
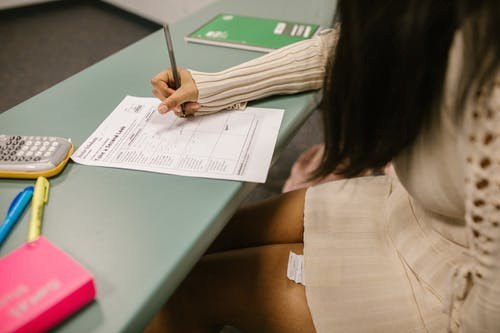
{"type": "Point", "coordinates": [295, 271]}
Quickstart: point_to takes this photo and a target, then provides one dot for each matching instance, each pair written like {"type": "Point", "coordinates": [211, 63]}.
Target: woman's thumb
{"type": "Point", "coordinates": [171, 102]}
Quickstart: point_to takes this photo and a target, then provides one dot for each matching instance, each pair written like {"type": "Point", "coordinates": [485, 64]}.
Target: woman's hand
{"type": "Point", "coordinates": [187, 93]}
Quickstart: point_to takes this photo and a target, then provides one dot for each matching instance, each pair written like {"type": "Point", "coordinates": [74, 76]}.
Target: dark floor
{"type": "Point", "coordinates": [44, 44]}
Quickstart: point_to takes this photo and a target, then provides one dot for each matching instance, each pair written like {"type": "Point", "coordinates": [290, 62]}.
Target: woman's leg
{"type": "Point", "coordinates": [245, 288]}
{"type": "Point", "coordinates": [278, 220]}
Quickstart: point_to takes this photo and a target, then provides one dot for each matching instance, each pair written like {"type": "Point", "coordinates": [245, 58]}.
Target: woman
{"type": "Point", "coordinates": [416, 82]}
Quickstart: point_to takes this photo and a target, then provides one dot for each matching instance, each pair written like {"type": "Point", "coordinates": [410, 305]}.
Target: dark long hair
{"type": "Point", "coordinates": [385, 83]}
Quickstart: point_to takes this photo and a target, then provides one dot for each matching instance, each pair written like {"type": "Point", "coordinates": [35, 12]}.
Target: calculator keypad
{"type": "Point", "coordinates": [31, 153]}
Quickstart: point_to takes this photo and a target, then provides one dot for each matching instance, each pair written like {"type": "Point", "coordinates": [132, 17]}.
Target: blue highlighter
{"type": "Point", "coordinates": [16, 208]}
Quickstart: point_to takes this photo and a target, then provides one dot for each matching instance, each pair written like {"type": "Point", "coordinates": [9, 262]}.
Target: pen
{"type": "Point", "coordinates": [175, 73]}
{"type": "Point", "coordinates": [40, 197]}
{"type": "Point", "coordinates": [16, 208]}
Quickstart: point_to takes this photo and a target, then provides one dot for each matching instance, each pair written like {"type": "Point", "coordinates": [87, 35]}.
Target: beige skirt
{"type": "Point", "coordinates": [373, 262]}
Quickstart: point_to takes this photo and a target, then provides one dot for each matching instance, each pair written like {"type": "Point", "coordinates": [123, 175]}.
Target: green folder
{"type": "Point", "coordinates": [251, 33]}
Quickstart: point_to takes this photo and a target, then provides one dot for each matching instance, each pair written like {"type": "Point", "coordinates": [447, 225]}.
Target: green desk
{"type": "Point", "coordinates": [139, 233]}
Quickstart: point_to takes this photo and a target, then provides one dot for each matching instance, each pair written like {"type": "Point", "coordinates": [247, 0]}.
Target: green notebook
{"type": "Point", "coordinates": [251, 33]}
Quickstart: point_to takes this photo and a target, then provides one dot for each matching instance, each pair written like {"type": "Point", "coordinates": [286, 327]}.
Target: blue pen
{"type": "Point", "coordinates": [15, 210]}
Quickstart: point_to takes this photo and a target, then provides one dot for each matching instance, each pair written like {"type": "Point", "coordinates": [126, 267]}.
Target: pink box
{"type": "Point", "coordinates": [40, 285]}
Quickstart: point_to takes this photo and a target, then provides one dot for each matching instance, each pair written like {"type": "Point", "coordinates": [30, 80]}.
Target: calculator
{"type": "Point", "coordinates": [33, 156]}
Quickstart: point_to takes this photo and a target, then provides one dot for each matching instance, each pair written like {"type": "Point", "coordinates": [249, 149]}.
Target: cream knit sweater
{"type": "Point", "coordinates": [298, 67]}
{"type": "Point", "coordinates": [468, 183]}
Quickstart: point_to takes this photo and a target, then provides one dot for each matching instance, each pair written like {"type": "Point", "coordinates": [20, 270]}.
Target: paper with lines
{"type": "Point", "coordinates": [236, 145]}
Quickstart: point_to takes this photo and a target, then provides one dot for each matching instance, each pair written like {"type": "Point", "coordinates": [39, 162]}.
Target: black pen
{"type": "Point", "coordinates": [173, 65]}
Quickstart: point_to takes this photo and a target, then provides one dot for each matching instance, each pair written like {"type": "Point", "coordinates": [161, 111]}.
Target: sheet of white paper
{"type": "Point", "coordinates": [235, 145]}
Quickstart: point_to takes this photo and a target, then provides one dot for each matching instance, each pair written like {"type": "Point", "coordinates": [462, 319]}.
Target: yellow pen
{"type": "Point", "coordinates": [40, 197]}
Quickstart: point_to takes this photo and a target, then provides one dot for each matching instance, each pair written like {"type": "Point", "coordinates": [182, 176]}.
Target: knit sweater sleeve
{"type": "Point", "coordinates": [294, 68]}
{"type": "Point", "coordinates": [478, 287]}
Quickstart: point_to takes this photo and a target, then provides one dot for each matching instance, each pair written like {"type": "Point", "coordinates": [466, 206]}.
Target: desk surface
{"type": "Point", "coordinates": [139, 233]}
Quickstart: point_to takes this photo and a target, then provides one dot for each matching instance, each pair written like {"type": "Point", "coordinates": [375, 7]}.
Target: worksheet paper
{"type": "Point", "coordinates": [235, 145]}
